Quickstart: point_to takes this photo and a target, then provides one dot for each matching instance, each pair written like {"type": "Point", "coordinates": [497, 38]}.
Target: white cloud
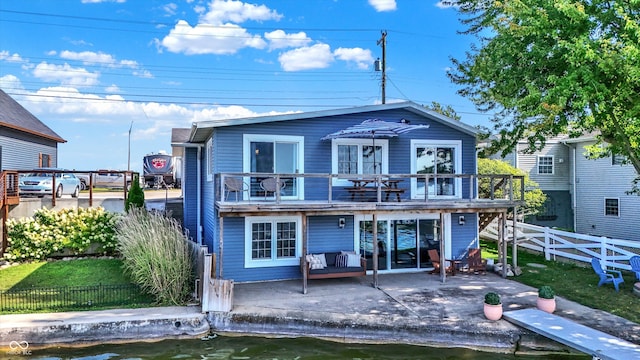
{"type": "Point", "coordinates": [221, 11]}
{"type": "Point", "coordinates": [278, 39]}
{"type": "Point", "coordinates": [6, 56]}
{"type": "Point", "coordinates": [113, 88]}
{"type": "Point", "coordinates": [143, 74]}
{"type": "Point", "coordinates": [361, 57]}
{"type": "Point", "coordinates": [170, 9]}
{"type": "Point", "coordinates": [11, 82]}
{"type": "Point", "coordinates": [208, 39]}
{"type": "Point", "coordinates": [383, 5]}
{"type": "Point", "coordinates": [65, 74]}
{"type": "Point", "coordinates": [314, 57]}
{"type": "Point", "coordinates": [88, 57]}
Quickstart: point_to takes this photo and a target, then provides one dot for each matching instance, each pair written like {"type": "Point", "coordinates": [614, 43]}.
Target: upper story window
{"type": "Point", "coordinates": [611, 207]}
{"type": "Point", "coordinates": [272, 241]}
{"type": "Point", "coordinates": [274, 154]}
{"type": "Point", "coordinates": [45, 160]}
{"type": "Point", "coordinates": [545, 165]}
{"type": "Point", "coordinates": [617, 159]}
{"type": "Point", "coordinates": [359, 156]}
{"type": "Point", "coordinates": [435, 157]}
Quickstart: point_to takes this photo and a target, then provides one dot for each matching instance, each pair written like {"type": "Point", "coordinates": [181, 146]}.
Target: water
{"type": "Point", "coordinates": [257, 348]}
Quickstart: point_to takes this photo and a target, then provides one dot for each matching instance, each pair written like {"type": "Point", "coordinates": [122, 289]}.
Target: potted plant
{"type": "Point", "coordinates": [492, 306]}
{"type": "Point", "coordinates": [546, 299]}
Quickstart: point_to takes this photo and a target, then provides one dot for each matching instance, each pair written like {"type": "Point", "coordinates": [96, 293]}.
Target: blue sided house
{"type": "Point", "coordinates": [262, 193]}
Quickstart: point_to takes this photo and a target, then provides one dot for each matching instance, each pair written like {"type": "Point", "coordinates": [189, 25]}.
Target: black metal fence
{"type": "Point", "coordinates": [72, 298]}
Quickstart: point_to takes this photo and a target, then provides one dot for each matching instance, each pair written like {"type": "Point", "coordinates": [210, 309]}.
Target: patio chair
{"type": "Point", "coordinates": [475, 263]}
{"type": "Point", "coordinates": [635, 265]}
{"type": "Point", "coordinates": [435, 261]}
{"type": "Point", "coordinates": [607, 276]}
{"type": "Point", "coordinates": [236, 185]}
{"type": "Point", "coordinates": [270, 185]}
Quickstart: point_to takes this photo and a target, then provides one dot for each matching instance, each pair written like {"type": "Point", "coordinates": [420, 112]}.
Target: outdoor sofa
{"type": "Point", "coordinates": [330, 265]}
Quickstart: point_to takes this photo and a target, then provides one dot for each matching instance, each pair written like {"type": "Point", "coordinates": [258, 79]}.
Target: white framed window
{"type": "Point", "coordinates": [612, 207]}
{"type": "Point", "coordinates": [209, 159]}
{"type": "Point", "coordinates": [545, 165]}
{"type": "Point", "coordinates": [272, 241]}
{"type": "Point", "coordinates": [358, 156]}
{"type": "Point", "coordinates": [436, 157]}
{"type": "Point", "coordinates": [274, 154]}
{"type": "Point", "coordinates": [617, 159]}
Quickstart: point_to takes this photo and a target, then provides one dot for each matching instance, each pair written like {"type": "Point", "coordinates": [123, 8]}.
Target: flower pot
{"type": "Point", "coordinates": [546, 305]}
{"type": "Point", "coordinates": [493, 312]}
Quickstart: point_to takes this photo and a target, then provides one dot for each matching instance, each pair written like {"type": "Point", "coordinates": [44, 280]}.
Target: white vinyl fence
{"type": "Point", "coordinates": [613, 253]}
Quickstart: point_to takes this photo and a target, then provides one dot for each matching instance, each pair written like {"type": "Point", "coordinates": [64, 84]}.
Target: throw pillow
{"type": "Point", "coordinates": [342, 260]}
{"type": "Point", "coordinates": [323, 259]}
{"type": "Point", "coordinates": [353, 260]}
{"type": "Point", "coordinates": [316, 263]}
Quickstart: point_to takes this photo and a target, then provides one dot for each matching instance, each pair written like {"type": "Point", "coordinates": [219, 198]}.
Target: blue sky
{"type": "Point", "coordinates": [90, 69]}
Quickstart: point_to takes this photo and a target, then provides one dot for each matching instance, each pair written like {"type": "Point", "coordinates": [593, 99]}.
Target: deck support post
{"type": "Point", "coordinates": [374, 244]}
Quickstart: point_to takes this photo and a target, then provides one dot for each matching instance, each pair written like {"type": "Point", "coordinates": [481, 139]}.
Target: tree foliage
{"type": "Point", "coordinates": [549, 67]}
{"type": "Point", "coordinates": [444, 110]}
{"type": "Point", "coordinates": [135, 198]}
{"type": "Point", "coordinates": [534, 198]}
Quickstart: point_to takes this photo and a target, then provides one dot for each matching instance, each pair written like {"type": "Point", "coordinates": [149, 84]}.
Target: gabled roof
{"type": "Point", "coordinates": [202, 130]}
{"type": "Point", "coordinates": [14, 116]}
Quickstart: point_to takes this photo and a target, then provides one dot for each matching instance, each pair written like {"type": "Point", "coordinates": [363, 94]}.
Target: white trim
{"type": "Point", "coordinates": [383, 143]}
{"type": "Point", "coordinates": [604, 206]}
{"type": "Point", "coordinates": [299, 140]}
{"type": "Point", "coordinates": [273, 262]}
{"type": "Point", "coordinates": [553, 165]}
{"type": "Point", "coordinates": [457, 160]}
{"type": "Point", "coordinates": [208, 155]}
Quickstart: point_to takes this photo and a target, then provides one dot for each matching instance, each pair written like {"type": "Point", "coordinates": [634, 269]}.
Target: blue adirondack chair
{"type": "Point", "coordinates": [607, 276]}
{"type": "Point", "coordinates": [635, 265]}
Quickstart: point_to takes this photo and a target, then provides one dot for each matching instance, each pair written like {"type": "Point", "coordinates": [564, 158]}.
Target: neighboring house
{"type": "Point", "coordinates": [323, 204]}
{"type": "Point", "coordinates": [550, 167]}
{"type": "Point", "coordinates": [584, 195]}
{"type": "Point", "coordinates": [602, 206]}
{"type": "Point", "coordinates": [25, 142]}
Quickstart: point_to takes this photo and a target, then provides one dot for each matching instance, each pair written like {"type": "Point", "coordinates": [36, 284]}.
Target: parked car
{"type": "Point", "coordinates": [40, 182]}
{"type": "Point", "coordinates": [110, 179]}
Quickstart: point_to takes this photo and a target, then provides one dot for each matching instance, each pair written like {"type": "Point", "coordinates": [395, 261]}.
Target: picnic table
{"type": "Point", "coordinates": [361, 187]}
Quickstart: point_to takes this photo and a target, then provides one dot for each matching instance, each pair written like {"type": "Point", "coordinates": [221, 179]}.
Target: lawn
{"type": "Point", "coordinates": [85, 284]}
{"type": "Point", "coordinates": [577, 283]}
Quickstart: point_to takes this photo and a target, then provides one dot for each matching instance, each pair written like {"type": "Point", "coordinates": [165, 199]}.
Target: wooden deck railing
{"type": "Point", "coordinates": [334, 187]}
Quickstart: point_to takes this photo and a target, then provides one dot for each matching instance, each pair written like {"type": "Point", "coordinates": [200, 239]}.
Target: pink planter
{"type": "Point", "coordinates": [546, 305]}
{"type": "Point", "coordinates": [493, 312]}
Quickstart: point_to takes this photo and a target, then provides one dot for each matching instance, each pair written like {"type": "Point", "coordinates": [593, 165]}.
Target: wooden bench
{"type": "Point", "coordinates": [331, 271]}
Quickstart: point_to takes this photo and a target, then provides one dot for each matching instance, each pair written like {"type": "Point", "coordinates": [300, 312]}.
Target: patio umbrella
{"type": "Point", "coordinates": [375, 128]}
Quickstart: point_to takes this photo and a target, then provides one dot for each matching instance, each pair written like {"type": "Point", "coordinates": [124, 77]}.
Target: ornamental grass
{"type": "Point", "coordinates": [156, 255]}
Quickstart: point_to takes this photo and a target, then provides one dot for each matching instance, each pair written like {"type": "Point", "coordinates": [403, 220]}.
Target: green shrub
{"type": "Point", "coordinates": [156, 255]}
{"type": "Point", "coordinates": [492, 298]}
{"type": "Point", "coordinates": [51, 231]}
{"type": "Point", "coordinates": [546, 292]}
{"type": "Point", "coordinates": [135, 197]}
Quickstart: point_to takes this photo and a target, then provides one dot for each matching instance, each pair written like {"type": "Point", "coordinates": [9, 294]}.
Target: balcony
{"type": "Point", "coordinates": [253, 193]}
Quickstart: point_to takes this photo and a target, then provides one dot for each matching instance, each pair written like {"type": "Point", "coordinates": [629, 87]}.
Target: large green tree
{"type": "Point", "coordinates": [547, 67]}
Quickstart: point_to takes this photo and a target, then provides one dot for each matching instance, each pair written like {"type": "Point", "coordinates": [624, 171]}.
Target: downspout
{"type": "Point", "coordinates": [574, 186]}
{"type": "Point", "coordinates": [199, 197]}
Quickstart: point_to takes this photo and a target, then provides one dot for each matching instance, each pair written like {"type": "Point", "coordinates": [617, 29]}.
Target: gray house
{"type": "Point", "coordinates": [263, 193]}
{"type": "Point", "coordinates": [585, 195]}
{"type": "Point", "coordinates": [25, 141]}
{"type": "Point", "coordinates": [551, 168]}
{"type": "Point", "coordinates": [602, 205]}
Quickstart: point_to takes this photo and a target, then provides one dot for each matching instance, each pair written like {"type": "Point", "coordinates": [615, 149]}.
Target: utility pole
{"type": "Point", "coordinates": [129, 148]}
{"type": "Point", "coordinates": [383, 43]}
